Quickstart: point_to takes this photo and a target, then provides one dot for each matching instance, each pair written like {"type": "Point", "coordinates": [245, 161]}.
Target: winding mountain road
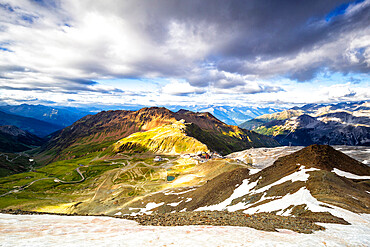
{"type": "Point", "coordinates": [7, 157]}
{"type": "Point", "coordinates": [57, 180]}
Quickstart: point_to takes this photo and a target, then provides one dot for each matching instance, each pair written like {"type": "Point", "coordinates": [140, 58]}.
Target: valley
{"type": "Point", "coordinates": [137, 184]}
{"type": "Point", "coordinates": [159, 167]}
{"type": "Point", "coordinates": [184, 123]}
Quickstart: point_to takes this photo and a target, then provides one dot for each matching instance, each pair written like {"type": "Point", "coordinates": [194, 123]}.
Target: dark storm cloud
{"type": "Point", "coordinates": [224, 46]}
{"type": "Point", "coordinates": [258, 27]}
{"type": "Point", "coordinates": [253, 29]}
{"type": "Point", "coordinates": [305, 74]}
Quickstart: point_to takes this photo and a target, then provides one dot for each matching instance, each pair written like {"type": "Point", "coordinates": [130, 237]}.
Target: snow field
{"type": "Point", "coordinates": [54, 230]}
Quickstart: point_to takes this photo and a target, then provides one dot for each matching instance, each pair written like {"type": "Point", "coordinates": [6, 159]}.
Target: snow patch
{"type": "Point", "coordinates": [242, 190]}
{"type": "Point", "coordinates": [254, 171]}
{"type": "Point", "coordinates": [348, 174]}
{"type": "Point", "coordinates": [146, 210]}
{"type": "Point", "coordinates": [302, 196]}
{"type": "Point", "coordinates": [174, 204]}
{"type": "Point", "coordinates": [248, 188]}
{"type": "Point", "coordinates": [300, 175]}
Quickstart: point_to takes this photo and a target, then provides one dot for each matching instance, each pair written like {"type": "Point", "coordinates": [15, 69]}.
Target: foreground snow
{"type": "Point", "coordinates": [52, 230]}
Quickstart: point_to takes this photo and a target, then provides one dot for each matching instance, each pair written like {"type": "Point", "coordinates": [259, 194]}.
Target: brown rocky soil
{"type": "Point", "coordinates": [260, 221]}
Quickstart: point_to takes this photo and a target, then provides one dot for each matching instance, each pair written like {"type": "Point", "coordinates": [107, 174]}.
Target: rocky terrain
{"type": "Point", "coordinates": [160, 168]}
{"type": "Point", "coordinates": [311, 182]}
{"type": "Point", "coordinates": [338, 124]}
{"type": "Point", "coordinates": [316, 184]}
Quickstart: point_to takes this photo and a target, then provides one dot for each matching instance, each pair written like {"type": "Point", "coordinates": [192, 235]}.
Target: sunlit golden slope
{"type": "Point", "coordinates": [168, 139]}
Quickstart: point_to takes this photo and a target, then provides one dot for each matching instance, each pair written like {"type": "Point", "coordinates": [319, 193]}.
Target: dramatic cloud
{"type": "Point", "coordinates": [191, 48]}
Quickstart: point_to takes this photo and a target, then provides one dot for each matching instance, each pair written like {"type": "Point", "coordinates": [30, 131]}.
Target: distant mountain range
{"type": "Point", "coordinates": [32, 125]}
{"type": "Point", "coordinates": [61, 116]}
{"type": "Point", "coordinates": [336, 124]}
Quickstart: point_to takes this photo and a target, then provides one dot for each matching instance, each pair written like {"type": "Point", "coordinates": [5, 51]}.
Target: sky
{"type": "Point", "coordinates": [158, 52]}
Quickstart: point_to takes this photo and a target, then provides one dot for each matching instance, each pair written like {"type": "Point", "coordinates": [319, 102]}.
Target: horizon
{"type": "Point", "coordinates": [183, 53]}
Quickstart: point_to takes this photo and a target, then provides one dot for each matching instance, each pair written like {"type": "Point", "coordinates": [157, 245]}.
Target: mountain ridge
{"type": "Point", "coordinates": [14, 139]}
{"type": "Point", "coordinates": [311, 172]}
{"type": "Point", "coordinates": [97, 132]}
{"type": "Point", "coordinates": [337, 124]}
{"type": "Point", "coordinates": [61, 116]}
{"type": "Point", "coordinates": [32, 125]}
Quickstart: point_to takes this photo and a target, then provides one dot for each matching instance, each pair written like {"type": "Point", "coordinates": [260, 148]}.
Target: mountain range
{"type": "Point", "coordinates": [64, 116]}
{"type": "Point", "coordinates": [32, 125]}
{"type": "Point", "coordinates": [336, 124]}
{"type": "Point", "coordinates": [98, 132]}
{"type": "Point", "coordinates": [59, 116]}
{"type": "Point", "coordinates": [314, 184]}
{"type": "Point", "coordinates": [154, 160]}
{"type": "Point", "coordinates": [232, 115]}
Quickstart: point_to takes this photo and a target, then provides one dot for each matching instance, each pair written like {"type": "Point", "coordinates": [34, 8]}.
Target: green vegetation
{"type": "Point", "coordinates": [228, 142]}
{"type": "Point", "coordinates": [272, 131]}
{"type": "Point", "coordinates": [87, 170]}
{"type": "Point", "coordinates": [165, 139]}
{"type": "Point", "coordinates": [109, 181]}
{"type": "Point", "coordinates": [12, 163]}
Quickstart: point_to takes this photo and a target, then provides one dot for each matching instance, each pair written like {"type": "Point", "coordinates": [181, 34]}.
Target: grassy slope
{"type": "Point", "coordinates": [48, 192]}
{"type": "Point", "coordinates": [170, 139]}
{"type": "Point", "coordinates": [227, 142]}
{"type": "Point", "coordinates": [125, 177]}
{"type": "Point", "coordinates": [109, 183]}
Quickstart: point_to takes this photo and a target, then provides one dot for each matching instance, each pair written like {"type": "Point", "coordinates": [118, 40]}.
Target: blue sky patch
{"type": "Point", "coordinates": [340, 10]}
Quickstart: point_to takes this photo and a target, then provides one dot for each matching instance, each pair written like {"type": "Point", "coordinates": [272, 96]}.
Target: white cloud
{"type": "Point", "coordinates": [181, 88]}
{"type": "Point", "coordinates": [207, 51]}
